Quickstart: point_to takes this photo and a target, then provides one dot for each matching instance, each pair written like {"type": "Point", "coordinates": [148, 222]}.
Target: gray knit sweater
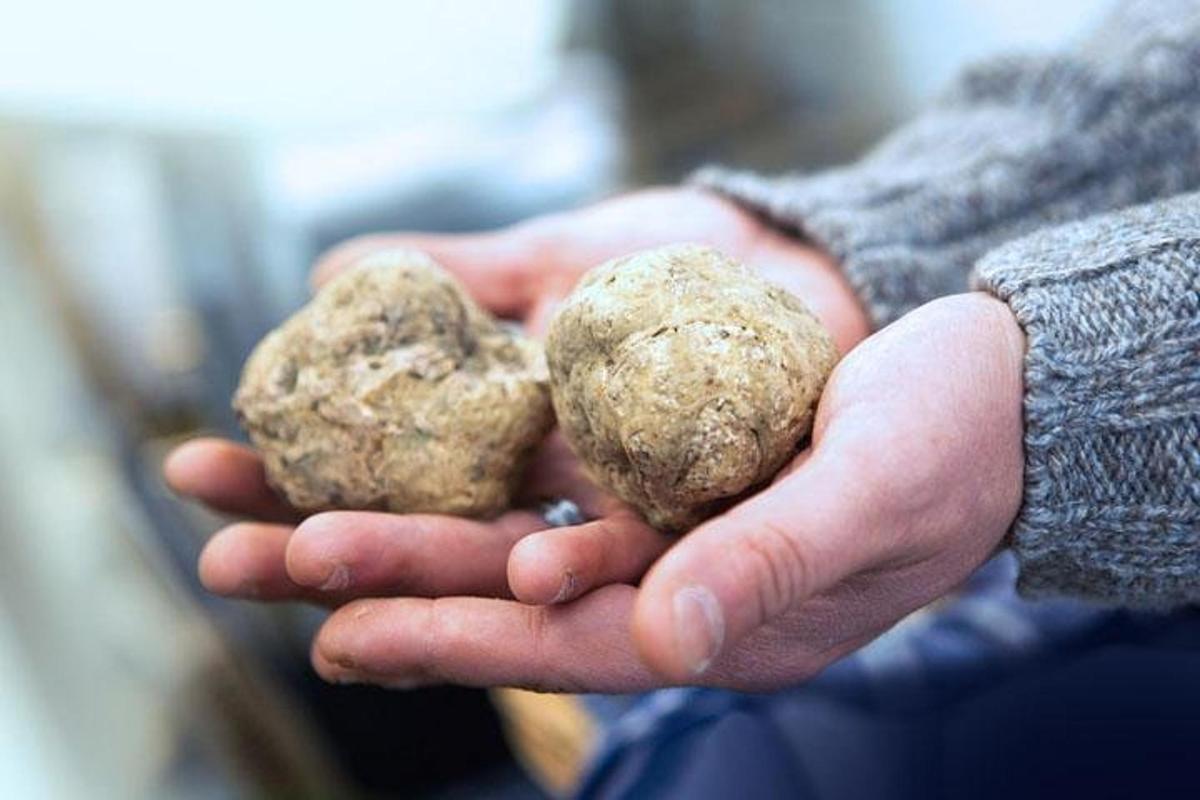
{"type": "Point", "coordinates": [973, 194]}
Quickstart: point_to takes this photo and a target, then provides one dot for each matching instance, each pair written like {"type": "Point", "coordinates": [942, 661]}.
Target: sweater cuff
{"type": "Point", "coordinates": [1111, 311]}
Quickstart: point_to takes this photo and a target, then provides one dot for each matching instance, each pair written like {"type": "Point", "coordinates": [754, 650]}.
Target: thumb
{"type": "Point", "coordinates": [798, 538]}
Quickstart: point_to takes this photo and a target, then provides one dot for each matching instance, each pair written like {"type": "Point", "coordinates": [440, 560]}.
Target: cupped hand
{"type": "Point", "coordinates": [521, 272]}
{"type": "Point", "coordinates": [913, 478]}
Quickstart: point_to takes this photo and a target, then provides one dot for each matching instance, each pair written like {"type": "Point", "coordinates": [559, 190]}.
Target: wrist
{"type": "Point", "coordinates": [1006, 357]}
{"type": "Point", "coordinates": [960, 358]}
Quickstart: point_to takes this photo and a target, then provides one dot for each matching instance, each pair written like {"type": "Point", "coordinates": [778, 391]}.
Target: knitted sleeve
{"type": "Point", "coordinates": [1111, 311]}
{"type": "Point", "coordinates": [1110, 304]}
{"type": "Point", "coordinates": [1016, 145]}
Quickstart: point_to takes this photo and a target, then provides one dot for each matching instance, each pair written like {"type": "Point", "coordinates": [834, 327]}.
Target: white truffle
{"type": "Point", "coordinates": [393, 390]}
{"type": "Point", "coordinates": [684, 380]}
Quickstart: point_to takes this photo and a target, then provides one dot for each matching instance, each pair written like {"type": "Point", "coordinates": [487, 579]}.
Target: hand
{"type": "Point", "coordinates": [521, 272]}
{"type": "Point", "coordinates": [913, 478]}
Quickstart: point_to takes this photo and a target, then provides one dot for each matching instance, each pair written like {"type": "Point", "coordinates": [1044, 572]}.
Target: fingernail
{"type": "Point", "coordinates": [338, 579]}
{"type": "Point", "coordinates": [699, 627]}
{"type": "Point", "coordinates": [566, 589]}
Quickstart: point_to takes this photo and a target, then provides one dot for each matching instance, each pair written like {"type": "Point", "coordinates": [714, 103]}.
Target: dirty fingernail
{"type": "Point", "coordinates": [338, 579]}
{"type": "Point", "coordinates": [699, 627]}
{"type": "Point", "coordinates": [566, 589]}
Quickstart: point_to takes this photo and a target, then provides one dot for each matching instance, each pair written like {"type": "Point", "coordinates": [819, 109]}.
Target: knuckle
{"type": "Point", "coordinates": [434, 640]}
{"type": "Point", "coordinates": [538, 670]}
{"type": "Point", "coordinates": [399, 556]}
{"type": "Point", "coordinates": [536, 619]}
{"type": "Point", "coordinates": [436, 633]}
{"type": "Point", "coordinates": [779, 566]}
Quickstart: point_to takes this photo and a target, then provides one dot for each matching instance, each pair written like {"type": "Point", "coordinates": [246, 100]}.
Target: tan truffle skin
{"type": "Point", "coordinates": [683, 379]}
{"type": "Point", "coordinates": [393, 390]}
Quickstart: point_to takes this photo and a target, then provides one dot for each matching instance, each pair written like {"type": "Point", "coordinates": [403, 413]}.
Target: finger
{"type": "Point", "coordinates": [726, 578]}
{"type": "Point", "coordinates": [499, 268]}
{"type": "Point", "coordinates": [246, 560]}
{"type": "Point", "coordinates": [483, 642]}
{"type": "Point", "coordinates": [369, 553]}
{"type": "Point", "coordinates": [228, 477]}
{"type": "Point", "coordinates": [560, 564]}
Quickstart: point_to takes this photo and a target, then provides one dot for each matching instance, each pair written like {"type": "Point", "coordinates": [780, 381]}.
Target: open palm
{"type": "Point", "coordinates": [913, 478]}
{"type": "Point", "coordinates": [520, 273]}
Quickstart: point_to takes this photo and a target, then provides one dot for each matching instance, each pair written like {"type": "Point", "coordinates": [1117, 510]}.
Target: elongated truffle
{"type": "Point", "coordinates": [393, 390]}
{"type": "Point", "coordinates": [683, 379]}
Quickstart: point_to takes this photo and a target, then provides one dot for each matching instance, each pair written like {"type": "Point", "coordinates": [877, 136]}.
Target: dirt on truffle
{"type": "Point", "coordinates": [393, 390]}
{"type": "Point", "coordinates": [683, 379]}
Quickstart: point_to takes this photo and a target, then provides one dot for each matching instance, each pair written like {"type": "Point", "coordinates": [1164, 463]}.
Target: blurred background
{"type": "Point", "coordinates": [167, 174]}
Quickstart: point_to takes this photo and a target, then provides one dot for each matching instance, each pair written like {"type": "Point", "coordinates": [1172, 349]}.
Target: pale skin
{"type": "Point", "coordinates": [912, 480]}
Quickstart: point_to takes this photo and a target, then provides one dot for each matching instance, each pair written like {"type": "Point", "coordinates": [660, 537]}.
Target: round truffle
{"type": "Point", "coordinates": [683, 380]}
{"type": "Point", "coordinates": [393, 390]}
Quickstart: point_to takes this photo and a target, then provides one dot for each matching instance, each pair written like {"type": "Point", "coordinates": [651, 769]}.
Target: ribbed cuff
{"type": "Point", "coordinates": [1111, 311]}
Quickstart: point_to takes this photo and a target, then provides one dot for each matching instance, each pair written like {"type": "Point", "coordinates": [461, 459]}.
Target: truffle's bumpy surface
{"type": "Point", "coordinates": [682, 379]}
{"type": "Point", "coordinates": [393, 390]}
